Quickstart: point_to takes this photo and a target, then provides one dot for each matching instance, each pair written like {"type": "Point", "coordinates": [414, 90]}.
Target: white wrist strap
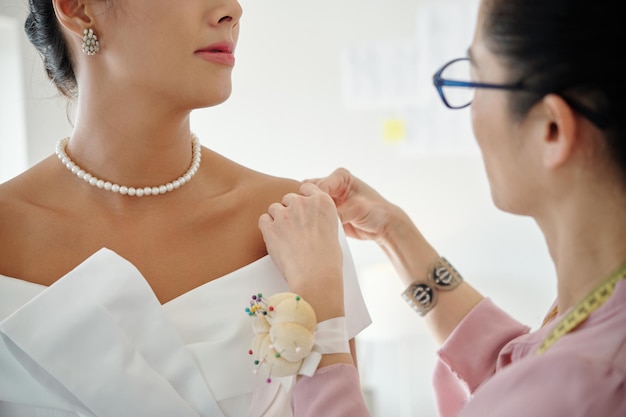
{"type": "Point", "coordinates": [331, 336]}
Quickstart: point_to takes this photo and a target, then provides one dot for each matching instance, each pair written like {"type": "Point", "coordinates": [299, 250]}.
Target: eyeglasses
{"type": "Point", "coordinates": [456, 93]}
{"type": "Point", "coordinates": [452, 75]}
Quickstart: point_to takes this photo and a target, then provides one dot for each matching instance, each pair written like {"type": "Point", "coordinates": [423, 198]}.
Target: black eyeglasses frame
{"type": "Point", "coordinates": [440, 82]}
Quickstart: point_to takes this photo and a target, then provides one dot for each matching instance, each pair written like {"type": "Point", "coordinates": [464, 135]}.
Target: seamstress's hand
{"type": "Point", "coordinates": [364, 213]}
{"type": "Point", "coordinates": [301, 235]}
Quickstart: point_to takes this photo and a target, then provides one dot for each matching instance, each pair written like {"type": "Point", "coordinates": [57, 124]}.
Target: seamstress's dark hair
{"type": "Point", "coordinates": [43, 31]}
{"type": "Point", "coordinates": [567, 47]}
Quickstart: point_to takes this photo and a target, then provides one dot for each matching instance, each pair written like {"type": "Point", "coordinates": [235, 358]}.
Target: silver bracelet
{"type": "Point", "coordinates": [421, 295]}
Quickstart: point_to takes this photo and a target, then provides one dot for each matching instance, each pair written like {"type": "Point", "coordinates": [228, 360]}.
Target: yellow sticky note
{"type": "Point", "coordinates": [394, 130]}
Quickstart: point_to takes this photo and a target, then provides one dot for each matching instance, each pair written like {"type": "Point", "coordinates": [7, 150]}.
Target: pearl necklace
{"type": "Point", "coordinates": [123, 189]}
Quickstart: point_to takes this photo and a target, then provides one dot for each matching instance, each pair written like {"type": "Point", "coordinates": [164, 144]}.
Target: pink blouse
{"type": "Point", "coordinates": [488, 368]}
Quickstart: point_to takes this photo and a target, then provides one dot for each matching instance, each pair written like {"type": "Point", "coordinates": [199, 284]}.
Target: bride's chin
{"type": "Point", "coordinates": [216, 97]}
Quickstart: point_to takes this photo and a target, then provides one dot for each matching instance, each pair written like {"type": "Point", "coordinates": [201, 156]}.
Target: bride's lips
{"type": "Point", "coordinates": [220, 53]}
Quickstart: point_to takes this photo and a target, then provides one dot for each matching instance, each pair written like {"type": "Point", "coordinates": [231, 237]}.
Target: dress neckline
{"type": "Point", "coordinates": [42, 287]}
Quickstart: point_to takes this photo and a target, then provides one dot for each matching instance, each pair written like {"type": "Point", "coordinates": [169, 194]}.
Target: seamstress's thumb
{"type": "Point", "coordinates": [337, 184]}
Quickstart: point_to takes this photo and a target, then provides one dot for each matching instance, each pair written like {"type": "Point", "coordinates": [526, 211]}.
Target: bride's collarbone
{"type": "Point", "coordinates": [170, 266]}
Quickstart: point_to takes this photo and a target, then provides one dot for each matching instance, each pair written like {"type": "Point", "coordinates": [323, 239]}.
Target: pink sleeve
{"type": "Point", "coordinates": [552, 385]}
{"type": "Point", "coordinates": [469, 355]}
{"type": "Point", "coordinates": [334, 391]}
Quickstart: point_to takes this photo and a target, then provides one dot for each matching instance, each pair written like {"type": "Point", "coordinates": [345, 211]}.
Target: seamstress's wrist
{"type": "Point", "coordinates": [324, 294]}
{"type": "Point", "coordinates": [423, 293]}
{"type": "Point", "coordinates": [328, 308]}
{"type": "Point", "coordinates": [335, 358]}
{"type": "Point", "coordinates": [396, 221]}
{"type": "Point", "coordinates": [440, 294]}
{"type": "Point", "coordinates": [407, 249]}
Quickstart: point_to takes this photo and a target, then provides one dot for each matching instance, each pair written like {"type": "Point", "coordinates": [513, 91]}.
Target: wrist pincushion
{"type": "Point", "coordinates": [284, 327]}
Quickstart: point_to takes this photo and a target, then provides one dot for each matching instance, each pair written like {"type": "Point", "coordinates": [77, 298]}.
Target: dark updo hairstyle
{"type": "Point", "coordinates": [567, 47]}
{"type": "Point", "coordinates": [44, 32]}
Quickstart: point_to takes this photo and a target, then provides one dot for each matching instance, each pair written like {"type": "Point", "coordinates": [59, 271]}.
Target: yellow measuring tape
{"type": "Point", "coordinates": [582, 310]}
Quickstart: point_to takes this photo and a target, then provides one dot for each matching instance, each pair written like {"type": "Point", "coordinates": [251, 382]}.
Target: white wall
{"type": "Point", "coordinates": [13, 154]}
{"type": "Point", "coordinates": [45, 112]}
{"type": "Point", "coordinates": [289, 116]}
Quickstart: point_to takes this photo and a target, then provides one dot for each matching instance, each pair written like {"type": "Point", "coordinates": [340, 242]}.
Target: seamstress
{"type": "Point", "coordinates": [548, 116]}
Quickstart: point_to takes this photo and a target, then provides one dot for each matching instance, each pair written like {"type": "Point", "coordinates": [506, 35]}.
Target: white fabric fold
{"type": "Point", "coordinates": [120, 343]}
{"type": "Point", "coordinates": [98, 343]}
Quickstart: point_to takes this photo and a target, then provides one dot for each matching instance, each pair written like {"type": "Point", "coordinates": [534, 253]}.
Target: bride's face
{"type": "Point", "coordinates": [182, 51]}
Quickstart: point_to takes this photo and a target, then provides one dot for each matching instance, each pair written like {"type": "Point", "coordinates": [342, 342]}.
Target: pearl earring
{"type": "Point", "coordinates": [90, 42]}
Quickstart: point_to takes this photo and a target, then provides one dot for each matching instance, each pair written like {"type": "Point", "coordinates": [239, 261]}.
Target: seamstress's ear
{"type": "Point", "coordinates": [74, 15]}
{"type": "Point", "coordinates": [560, 133]}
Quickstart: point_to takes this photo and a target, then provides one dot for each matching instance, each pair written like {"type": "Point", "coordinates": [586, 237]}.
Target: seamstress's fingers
{"type": "Point", "coordinates": [288, 198]}
{"type": "Point", "coordinates": [308, 189]}
{"type": "Point", "coordinates": [264, 223]}
{"type": "Point", "coordinates": [312, 180]}
{"type": "Point", "coordinates": [338, 184]}
{"type": "Point", "coordinates": [274, 209]}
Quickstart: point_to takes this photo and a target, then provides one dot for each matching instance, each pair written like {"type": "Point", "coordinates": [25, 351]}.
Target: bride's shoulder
{"type": "Point", "coordinates": [22, 207]}
{"type": "Point", "coordinates": [250, 179]}
{"type": "Point", "coordinates": [26, 188]}
{"type": "Point", "coordinates": [26, 200]}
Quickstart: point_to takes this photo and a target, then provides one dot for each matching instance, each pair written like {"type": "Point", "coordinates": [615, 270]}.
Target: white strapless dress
{"type": "Point", "coordinates": [98, 343]}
